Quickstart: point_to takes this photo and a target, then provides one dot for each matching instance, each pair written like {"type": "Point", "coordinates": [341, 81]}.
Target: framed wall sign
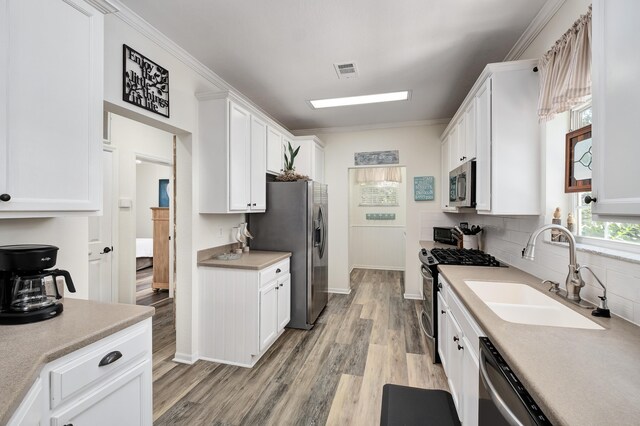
{"type": "Point", "coordinates": [376, 158]}
{"type": "Point", "coordinates": [423, 188]}
{"type": "Point", "coordinates": [145, 83]}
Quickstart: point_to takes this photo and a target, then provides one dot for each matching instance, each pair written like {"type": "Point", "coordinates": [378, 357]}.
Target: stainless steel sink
{"type": "Point", "coordinates": [519, 303]}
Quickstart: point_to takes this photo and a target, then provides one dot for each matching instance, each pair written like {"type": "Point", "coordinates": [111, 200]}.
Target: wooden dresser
{"type": "Point", "coordinates": [160, 217]}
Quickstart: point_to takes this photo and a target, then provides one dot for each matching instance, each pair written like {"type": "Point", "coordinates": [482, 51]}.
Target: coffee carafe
{"type": "Point", "coordinates": [28, 288]}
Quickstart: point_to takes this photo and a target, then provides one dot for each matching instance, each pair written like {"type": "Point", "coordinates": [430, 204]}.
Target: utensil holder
{"type": "Point", "coordinates": [470, 241]}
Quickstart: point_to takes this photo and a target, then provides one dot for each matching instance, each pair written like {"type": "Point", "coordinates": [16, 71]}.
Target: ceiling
{"type": "Point", "coordinates": [280, 53]}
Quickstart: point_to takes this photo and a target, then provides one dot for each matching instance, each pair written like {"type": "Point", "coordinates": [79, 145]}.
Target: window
{"type": "Point", "coordinates": [596, 232]}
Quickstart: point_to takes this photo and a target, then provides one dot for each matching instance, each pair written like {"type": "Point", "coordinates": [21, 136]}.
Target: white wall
{"type": "Point", "coordinates": [505, 237]}
{"type": "Point", "coordinates": [419, 148]}
{"type": "Point", "coordinates": [70, 234]}
{"type": "Point", "coordinates": [194, 231]}
{"type": "Point", "coordinates": [147, 177]}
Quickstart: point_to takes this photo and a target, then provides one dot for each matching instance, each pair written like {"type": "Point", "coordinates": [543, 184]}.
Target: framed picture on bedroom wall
{"type": "Point", "coordinates": [163, 192]}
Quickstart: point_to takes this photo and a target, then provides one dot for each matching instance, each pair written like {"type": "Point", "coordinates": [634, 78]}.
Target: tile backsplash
{"type": "Point", "coordinates": [505, 237]}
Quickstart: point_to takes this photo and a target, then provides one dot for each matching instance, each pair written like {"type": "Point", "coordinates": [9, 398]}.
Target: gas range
{"type": "Point", "coordinates": [452, 256]}
{"type": "Point", "coordinates": [430, 259]}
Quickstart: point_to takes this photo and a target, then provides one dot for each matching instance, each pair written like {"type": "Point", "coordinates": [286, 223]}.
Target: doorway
{"type": "Point", "coordinates": [154, 186]}
{"type": "Point", "coordinates": [377, 218]}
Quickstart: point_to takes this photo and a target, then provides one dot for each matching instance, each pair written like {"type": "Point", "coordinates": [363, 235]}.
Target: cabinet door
{"type": "Point", "coordinates": [455, 357]}
{"type": "Point", "coordinates": [470, 131]}
{"type": "Point", "coordinates": [483, 144]}
{"type": "Point", "coordinates": [125, 400]}
{"type": "Point", "coordinates": [615, 97]}
{"type": "Point", "coordinates": [51, 67]}
{"type": "Point", "coordinates": [274, 151]}
{"type": "Point", "coordinates": [470, 377]}
{"type": "Point", "coordinates": [303, 161]}
{"type": "Point", "coordinates": [444, 165]}
{"type": "Point", "coordinates": [268, 314]}
{"type": "Point", "coordinates": [258, 165]}
{"type": "Point", "coordinates": [462, 140]}
{"type": "Point", "coordinates": [284, 301]}
{"type": "Point", "coordinates": [239, 158]}
{"type": "Point", "coordinates": [443, 341]}
{"type": "Point", "coordinates": [31, 411]}
{"type": "Point", "coordinates": [453, 148]}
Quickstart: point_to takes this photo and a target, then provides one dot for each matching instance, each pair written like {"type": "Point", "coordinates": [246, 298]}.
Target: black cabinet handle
{"type": "Point", "coordinates": [460, 347]}
{"type": "Point", "coordinates": [5, 197]}
{"type": "Point", "coordinates": [106, 250]}
{"type": "Point", "coordinates": [456, 338]}
{"type": "Point", "coordinates": [443, 311]}
{"type": "Point", "coordinates": [281, 284]}
{"type": "Point", "coordinates": [248, 204]}
{"type": "Point", "coordinates": [254, 204]}
{"type": "Point", "coordinates": [110, 358]}
{"type": "Point", "coordinates": [588, 199]}
{"type": "Point", "coordinates": [278, 270]}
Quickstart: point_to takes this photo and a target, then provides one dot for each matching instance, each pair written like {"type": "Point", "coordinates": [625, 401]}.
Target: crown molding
{"type": "Point", "coordinates": [104, 6]}
{"type": "Point", "coordinates": [364, 127]}
{"type": "Point", "coordinates": [543, 17]}
{"type": "Point", "coordinates": [146, 29]}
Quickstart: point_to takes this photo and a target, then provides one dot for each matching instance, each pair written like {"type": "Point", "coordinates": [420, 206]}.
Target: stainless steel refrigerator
{"type": "Point", "coordinates": [296, 221]}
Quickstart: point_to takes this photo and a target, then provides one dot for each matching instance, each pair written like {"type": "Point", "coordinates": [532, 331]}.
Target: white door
{"type": "Point", "coordinates": [101, 256]}
{"type": "Point", "coordinates": [268, 314]}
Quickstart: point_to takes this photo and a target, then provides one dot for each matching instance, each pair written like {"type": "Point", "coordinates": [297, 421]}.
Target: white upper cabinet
{"type": "Point", "coordinates": [310, 158]}
{"type": "Point", "coordinates": [275, 154]}
{"type": "Point", "coordinates": [232, 156]}
{"type": "Point", "coordinates": [499, 123]}
{"type": "Point", "coordinates": [444, 165]}
{"type": "Point", "coordinates": [51, 68]}
{"type": "Point", "coordinates": [616, 91]}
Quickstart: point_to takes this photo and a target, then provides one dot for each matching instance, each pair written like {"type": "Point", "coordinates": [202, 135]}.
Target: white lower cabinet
{"type": "Point", "coordinates": [242, 312]}
{"type": "Point", "coordinates": [458, 347]}
{"type": "Point", "coordinates": [108, 382]}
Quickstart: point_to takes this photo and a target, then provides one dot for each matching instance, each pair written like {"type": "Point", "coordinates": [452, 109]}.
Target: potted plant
{"type": "Point", "coordinates": [289, 173]}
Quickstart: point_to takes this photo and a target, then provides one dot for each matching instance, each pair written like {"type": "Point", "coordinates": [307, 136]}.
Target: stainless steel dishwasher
{"type": "Point", "coordinates": [503, 398]}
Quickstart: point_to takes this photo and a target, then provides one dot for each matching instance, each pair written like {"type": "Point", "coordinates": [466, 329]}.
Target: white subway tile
{"type": "Point", "coordinates": [623, 285]}
{"type": "Point", "coordinates": [621, 306]}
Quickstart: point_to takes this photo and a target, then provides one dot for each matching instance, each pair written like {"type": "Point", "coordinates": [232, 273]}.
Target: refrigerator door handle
{"type": "Point", "coordinates": [323, 231]}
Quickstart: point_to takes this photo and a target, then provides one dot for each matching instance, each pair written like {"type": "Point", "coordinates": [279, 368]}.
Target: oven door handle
{"type": "Point", "coordinates": [422, 271]}
{"type": "Point", "coordinates": [495, 396]}
{"type": "Point", "coordinates": [422, 327]}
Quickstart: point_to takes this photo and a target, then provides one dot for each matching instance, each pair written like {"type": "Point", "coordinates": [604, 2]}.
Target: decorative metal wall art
{"type": "Point", "coordinates": [376, 157]}
{"type": "Point", "coordinates": [423, 188]}
{"type": "Point", "coordinates": [145, 83]}
{"type": "Point", "coordinates": [380, 216]}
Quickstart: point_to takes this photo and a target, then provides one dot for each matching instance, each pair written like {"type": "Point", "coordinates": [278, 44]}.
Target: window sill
{"type": "Point", "coordinates": [622, 255]}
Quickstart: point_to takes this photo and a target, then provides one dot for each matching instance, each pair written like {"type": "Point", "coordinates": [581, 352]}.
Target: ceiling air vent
{"type": "Point", "coordinates": [346, 70]}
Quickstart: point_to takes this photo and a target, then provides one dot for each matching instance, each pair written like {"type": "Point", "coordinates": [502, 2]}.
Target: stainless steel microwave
{"type": "Point", "coordinates": [462, 185]}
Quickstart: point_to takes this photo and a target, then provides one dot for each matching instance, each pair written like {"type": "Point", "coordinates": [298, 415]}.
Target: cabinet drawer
{"type": "Point", "coordinates": [273, 272]}
{"type": "Point", "coordinates": [470, 329]}
{"type": "Point", "coordinates": [81, 369]}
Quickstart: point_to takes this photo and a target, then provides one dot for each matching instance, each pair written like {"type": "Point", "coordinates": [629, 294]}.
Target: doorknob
{"type": "Point", "coordinates": [106, 250]}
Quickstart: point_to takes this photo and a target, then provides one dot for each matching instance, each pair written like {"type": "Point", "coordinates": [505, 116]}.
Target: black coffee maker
{"type": "Point", "coordinates": [28, 289]}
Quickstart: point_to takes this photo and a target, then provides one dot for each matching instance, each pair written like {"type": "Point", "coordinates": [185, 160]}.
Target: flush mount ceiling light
{"type": "Point", "coordinates": [360, 100]}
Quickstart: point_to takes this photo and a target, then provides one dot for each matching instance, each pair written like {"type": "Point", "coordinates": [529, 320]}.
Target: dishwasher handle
{"type": "Point", "coordinates": [506, 412]}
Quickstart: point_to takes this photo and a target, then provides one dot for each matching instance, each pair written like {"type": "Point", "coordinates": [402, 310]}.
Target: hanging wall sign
{"type": "Point", "coordinates": [423, 187]}
{"type": "Point", "coordinates": [375, 158]}
{"type": "Point", "coordinates": [145, 83]}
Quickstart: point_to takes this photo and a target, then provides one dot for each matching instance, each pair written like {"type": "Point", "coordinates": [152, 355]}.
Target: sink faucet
{"type": "Point", "coordinates": [574, 281]}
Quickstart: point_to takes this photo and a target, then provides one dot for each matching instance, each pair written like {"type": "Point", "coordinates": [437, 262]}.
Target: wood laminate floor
{"type": "Point", "coordinates": [145, 295]}
{"type": "Point", "coordinates": [332, 374]}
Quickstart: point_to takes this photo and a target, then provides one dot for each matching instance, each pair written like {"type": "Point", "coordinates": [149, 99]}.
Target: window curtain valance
{"type": "Point", "coordinates": [378, 174]}
{"type": "Point", "coordinates": [565, 71]}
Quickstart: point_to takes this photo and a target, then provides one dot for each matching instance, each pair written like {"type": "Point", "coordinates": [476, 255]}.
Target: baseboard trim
{"type": "Point", "coordinates": [413, 296]}
{"type": "Point", "coordinates": [185, 358]}
{"type": "Point", "coordinates": [378, 267]}
{"type": "Point", "coordinates": [339, 290]}
{"type": "Point", "coordinates": [223, 361]}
